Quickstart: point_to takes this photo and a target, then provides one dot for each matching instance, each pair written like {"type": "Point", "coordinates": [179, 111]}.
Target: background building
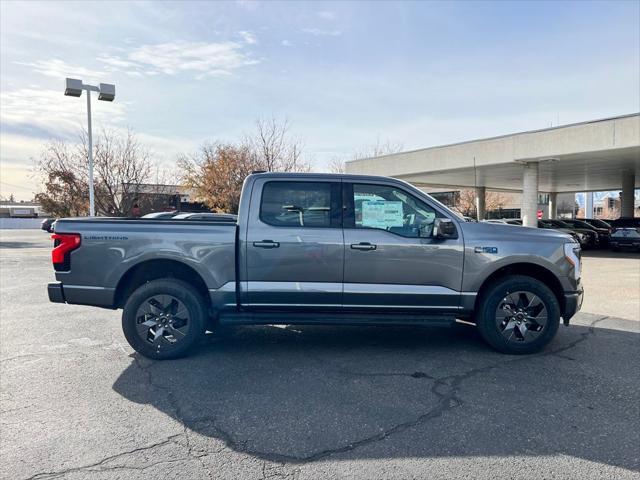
{"type": "Point", "coordinates": [153, 197]}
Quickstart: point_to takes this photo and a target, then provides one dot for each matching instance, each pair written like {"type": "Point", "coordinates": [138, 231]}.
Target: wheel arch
{"type": "Point", "coordinates": [154, 269]}
{"type": "Point", "coordinates": [532, 270]}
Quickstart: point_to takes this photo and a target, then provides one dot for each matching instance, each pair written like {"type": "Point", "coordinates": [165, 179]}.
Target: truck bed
{"type": "Point", "coordinates": [111, 249]}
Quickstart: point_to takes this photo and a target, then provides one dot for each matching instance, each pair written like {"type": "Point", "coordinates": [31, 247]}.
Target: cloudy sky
{"type": "Point", "coordinates": [344, 74]}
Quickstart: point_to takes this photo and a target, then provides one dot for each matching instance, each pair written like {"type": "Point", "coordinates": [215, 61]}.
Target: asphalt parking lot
{"type": "Point", "coordinates": [315, 402]}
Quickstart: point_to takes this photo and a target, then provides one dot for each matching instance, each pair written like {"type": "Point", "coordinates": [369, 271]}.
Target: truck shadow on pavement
{"type": "Point", "coordinates": [299, 394]}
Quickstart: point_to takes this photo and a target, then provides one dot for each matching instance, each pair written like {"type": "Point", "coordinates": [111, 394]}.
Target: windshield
{"type": "Point", "coordinates": [558, 224]}
{"type": "Point", "coordinates": [579, 224]}
{"type": "Point", "coordinates": [598, 223]}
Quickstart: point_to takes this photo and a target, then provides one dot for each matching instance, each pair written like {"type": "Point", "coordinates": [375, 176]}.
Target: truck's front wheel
{"type": "Point", "coordinates": [164, 318]}
{"type": "Point", "coordinates": [518, 315]}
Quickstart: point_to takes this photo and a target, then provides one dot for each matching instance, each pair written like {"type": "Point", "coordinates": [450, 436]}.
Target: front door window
{"type": "Point", "coordinates": [391, 209]}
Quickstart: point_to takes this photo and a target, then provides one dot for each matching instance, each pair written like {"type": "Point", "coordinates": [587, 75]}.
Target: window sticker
{"type": "Point", "coordinates": [382, 214]}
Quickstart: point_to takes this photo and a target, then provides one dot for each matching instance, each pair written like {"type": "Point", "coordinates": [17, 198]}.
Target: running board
{"type": "Point", "coordinates": [337, 318]}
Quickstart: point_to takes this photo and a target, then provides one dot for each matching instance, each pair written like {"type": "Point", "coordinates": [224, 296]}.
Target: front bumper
{"type": "Point", "coordinates": [56, 294]}
{"type": "Point", "coordinates": [572, 304]}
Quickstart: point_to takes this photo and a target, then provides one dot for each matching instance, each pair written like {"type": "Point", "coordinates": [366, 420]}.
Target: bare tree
{"type": "Point", "coordinates": [121, 165]}
{"type": "Point", "coordinates": [216, 172]}
{"type": "Point", "coordinates": [466, 203]}
{"type": "Point", "coordinates": [378, 149]}
{"type": "Point", "coordinates": [62, 170]}
{"type": "Point", "coordinates": [274, 148]}
{"type": "Point", "coordinates": [337, 165]}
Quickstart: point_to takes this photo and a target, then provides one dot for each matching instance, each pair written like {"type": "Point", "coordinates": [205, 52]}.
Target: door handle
{"type": "Point", "coordinates": [266, 244]}
{"type": "Point", "coordinates": [363, 246]}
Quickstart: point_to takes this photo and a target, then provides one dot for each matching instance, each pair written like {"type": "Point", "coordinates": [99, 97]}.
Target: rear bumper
{"type": "Point", "coordinates": [56, 294]}
{"type": "Point", "coordinates": [572, 304]}
{"type": "Point", "coordinates": [624, 242]}
{"type": "Point", "coordinates": [81, 295]}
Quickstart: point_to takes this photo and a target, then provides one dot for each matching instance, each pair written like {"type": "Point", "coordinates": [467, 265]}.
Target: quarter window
{"type": "Point", "coordinates": [299, 204]}
{"type": "Point", "coordinates": [388, 208]}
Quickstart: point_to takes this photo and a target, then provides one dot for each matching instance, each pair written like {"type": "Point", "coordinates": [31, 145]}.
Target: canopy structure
{"type": "Point", "coordinates": [589, 156]}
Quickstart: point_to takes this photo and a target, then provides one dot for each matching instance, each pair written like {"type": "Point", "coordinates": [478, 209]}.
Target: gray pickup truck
{"type": "Point", "coordinates": [320, 249]}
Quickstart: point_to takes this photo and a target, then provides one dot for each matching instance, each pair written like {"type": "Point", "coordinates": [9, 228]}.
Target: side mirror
{"type": "Point", "coordinates": [444, 228]}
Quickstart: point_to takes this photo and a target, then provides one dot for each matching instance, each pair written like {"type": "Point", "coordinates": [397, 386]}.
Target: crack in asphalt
{"type": "Point", "coordinates": [416, 374]}
{"type": "Point", "coordinates": [448, 400]}
{"type": "Point", "coordinates": [94, 466]}
{"type": "Point", "coordinates": [277, 471]}
{"type": "Point", "coordinates": [446, 389]}
{"type": "Point", "coordinates": [178, 414]}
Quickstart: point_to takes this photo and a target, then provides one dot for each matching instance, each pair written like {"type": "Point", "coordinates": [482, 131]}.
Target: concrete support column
{"type": "Point", "coordinates": [627, 196]}
{"type": "Point", "coordinates": [588, 204]}
{"type": "Point", "coordinates": [553, 205]}
{"type": "Point", "coordinates": [480, 203]}
{"type": "Point", "coordinates": [529, 208]}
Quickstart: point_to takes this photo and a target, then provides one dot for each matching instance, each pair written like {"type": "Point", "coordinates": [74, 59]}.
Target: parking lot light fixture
{"type": "Point", "coordinates": [107, 93]}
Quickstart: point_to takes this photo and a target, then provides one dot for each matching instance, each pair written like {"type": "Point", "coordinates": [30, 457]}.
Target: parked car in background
{"type": "Point", "coordinates": [625, 233]}
{"type": "Point", "coordinates": [305, 249]}
{"type": "Point", "coordinates": [578, 237]}
{"type": "Point", "coordinates": [47, 224]}
{"type": "Point", "coordinates": [208, 216]}
{"type": "Point", "coordinates": [596, 222]}
{"type": "Point", "coordinates": [588, 238]}
{"type": "Point", "coordinates": [161, 215]}
{"type": "Point", "coordinates": [603, 233]}
{"type": "Point", "coordinates": [503, 221]}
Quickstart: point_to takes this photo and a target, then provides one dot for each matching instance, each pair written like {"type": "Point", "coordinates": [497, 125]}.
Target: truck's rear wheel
{"type": "Point", "coordinates": [164, 318]}
{"type": "Point", "coordinates": [518, 315]}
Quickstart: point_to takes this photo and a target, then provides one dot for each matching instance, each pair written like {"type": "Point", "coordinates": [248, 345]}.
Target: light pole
{"type": "Point", "coordinates": [106, 92]}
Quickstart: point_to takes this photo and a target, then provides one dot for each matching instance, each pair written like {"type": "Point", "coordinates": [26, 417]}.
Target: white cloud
{"type": "Point", "coordinates": [248, 37]}
{"type": "Point", "coordinates": [287, 43]}
{"type": "Point", "coordinates": [202, 58]}
{"type": "Point", "coordinates": [16, 169]}
{"type": "Point", "coordinates": [30, 117]}
{"type": "Point", "coordinates": [319, 32]}
{"type": "Point", "coordinates": [48, 113]}
{"type": "Point", "coordinates": [327, 14]}
{"type": "Point", "coordinates": [250, 5]}
{"type": "Point", "coordinates": [60, 69]}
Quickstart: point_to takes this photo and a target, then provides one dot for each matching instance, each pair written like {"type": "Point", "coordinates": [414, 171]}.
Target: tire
{"type": "Point", "coordinates": [514, 305]}
{"type": "Point", "coordinates": [164, 318]}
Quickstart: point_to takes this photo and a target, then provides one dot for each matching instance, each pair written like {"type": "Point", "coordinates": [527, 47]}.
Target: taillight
{"type": "Point", "coordinates": [64, 243]}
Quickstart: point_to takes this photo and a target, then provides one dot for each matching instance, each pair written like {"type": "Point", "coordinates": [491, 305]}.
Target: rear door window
{"type": "Point", "coordinates": [301, 204]}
